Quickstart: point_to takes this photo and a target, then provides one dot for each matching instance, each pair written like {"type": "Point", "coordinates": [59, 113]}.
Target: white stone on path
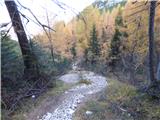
{"type": "Point", "coordinates": [89, 112]}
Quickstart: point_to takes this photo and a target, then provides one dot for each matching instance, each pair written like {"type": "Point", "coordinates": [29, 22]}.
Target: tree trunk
{"type": "Point", "coordinates": [158, 72]}
{"type": "Point", "coordinates": [151, 41]}
{"type": "Point", "coordinates": [19, 30]}
{"type": "Point", "coordinates": [50, 38]}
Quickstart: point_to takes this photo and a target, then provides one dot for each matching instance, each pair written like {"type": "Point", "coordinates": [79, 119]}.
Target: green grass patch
{"type": "Point", "coordinates": [84, 81]}
{"type": "Point", "coordinates": [123, 102]}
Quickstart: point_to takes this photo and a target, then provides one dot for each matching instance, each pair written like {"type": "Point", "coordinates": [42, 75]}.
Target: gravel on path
{"type": "Point", "coordinates": [77, 94]}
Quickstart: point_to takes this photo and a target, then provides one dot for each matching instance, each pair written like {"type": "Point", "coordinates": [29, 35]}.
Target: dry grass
{"type": "Point", "coordinates": [123, 102]}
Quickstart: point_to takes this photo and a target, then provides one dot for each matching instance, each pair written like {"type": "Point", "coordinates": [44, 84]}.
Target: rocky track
{"type": "Point", "coordinates": [77, 94]}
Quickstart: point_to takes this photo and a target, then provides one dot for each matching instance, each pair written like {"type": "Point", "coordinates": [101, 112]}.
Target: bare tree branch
{"type": "Point", "coordinates": [64, 7]}
{"type": "Point", "coordinates": [50, 37]}
{"type": "Point", "coordinates": [138, 6]}
{"type": "Point", "coordinates": [42, 25]}
{"type": "Point", "coordinates": [139, 11]}
{"type": "Point", "coordinates": [5, 35]}
{"type": "Point", "coordinates": [4, 24]}
{"type": "Point", "coordinates": [147, 7]}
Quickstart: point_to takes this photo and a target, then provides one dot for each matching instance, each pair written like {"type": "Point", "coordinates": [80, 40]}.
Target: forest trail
{"type": "Point", "coordinates": [77, 94]}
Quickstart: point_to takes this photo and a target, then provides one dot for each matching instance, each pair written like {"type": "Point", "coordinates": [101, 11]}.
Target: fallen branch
{"type": "Point", "coordinates": [122, 109]}
{"type": "Point", "coordinates": [13, 107]}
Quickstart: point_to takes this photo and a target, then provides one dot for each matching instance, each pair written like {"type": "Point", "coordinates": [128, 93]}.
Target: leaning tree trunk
{"type": "Point", "coordinates": [50, 38]}
{"type": "Point", "coordinates": [158, 72]}
{"type": "Point", "coordinates": [151, 41]}
{"type": "Point", "coordinates": [19, 30]}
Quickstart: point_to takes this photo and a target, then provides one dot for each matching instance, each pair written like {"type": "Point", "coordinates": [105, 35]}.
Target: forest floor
{"type": "Point", "coordinates": [122, 102]}
{"type": "Point", "coordinates": [81, 86]}
{"type": "Point", "coordinates": [84, 95]}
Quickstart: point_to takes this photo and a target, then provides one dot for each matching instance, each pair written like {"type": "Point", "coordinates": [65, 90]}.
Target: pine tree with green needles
{"type": "Point", "coordinates": [11, 62]}
{"type": "Point", "coordinates": [116, 40]}
{"type": "Point", "coordinates": [73, 51]}
{"type": "Point", "coordinates": [44, 60]}
{"type": "Point", "coordinates": [115, 43]}
{"type": "Point", "coordinates": [94, 46]}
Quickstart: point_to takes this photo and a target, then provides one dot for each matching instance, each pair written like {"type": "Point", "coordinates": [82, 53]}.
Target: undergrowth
{"type": "Point", "coordinates": [29, 104]}
{"type": "Point", "coordinates": [123, 102]}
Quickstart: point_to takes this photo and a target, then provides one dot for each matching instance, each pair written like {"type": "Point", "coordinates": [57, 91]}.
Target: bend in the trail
{"type": "Point", "coordinates": [77, 94]}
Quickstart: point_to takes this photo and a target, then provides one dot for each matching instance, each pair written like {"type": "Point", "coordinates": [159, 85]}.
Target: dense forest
{"type": "Point", "coordinates": [118, 40]}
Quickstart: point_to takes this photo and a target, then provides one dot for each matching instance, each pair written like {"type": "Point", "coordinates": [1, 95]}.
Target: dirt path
{"type": "Point", "coordinates": [76, 95]}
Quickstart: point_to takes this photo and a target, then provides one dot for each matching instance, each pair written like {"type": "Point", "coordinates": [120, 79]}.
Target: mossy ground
{"type": "Point", "coordinates": [123, 102]}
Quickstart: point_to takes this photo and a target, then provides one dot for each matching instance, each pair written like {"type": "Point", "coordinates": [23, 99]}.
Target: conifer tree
{"type": "Point", "coordinates": [73, 51]}
{"type": "Point", "coordinates": [94, 45]}
{"type": "Point", "coordinates": [115, 43]}
{"type": "Point", "coordinates": [11, 62]}
{"type": "Point", "coordinates": [116, 40]}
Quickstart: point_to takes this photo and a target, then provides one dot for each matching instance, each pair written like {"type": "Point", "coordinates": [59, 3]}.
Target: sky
{"type": "Point", "coordinates": [40, 8]}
